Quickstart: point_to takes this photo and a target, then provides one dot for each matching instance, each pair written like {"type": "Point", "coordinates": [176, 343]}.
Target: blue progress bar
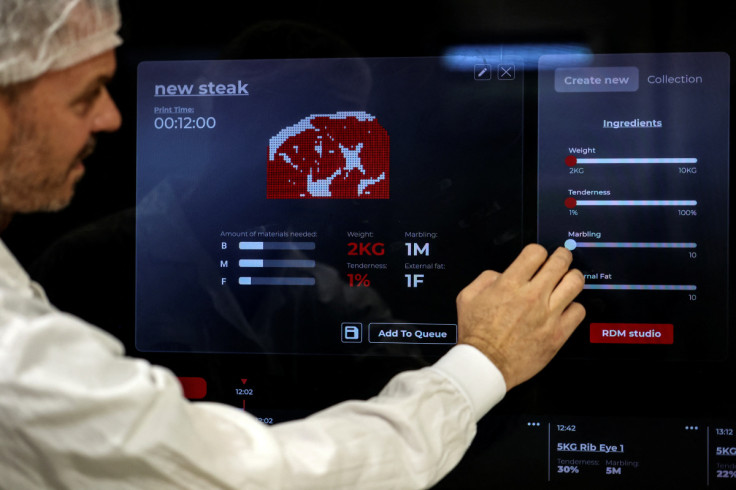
{"type": "Point", "coordinates": [614, 202]}
{"type": "Point", "coordinates": [276, 245]}
{"type": "Point", "coordinates": [571, 244]}
{"type": "Point", "coordinates": [275, 263]}
{"type": "Point", "coordinates": [642, 287]}
{"type": "Point", "coordinates": [276, 281]}
{"type": "Point", "coordinates": [637, 160]}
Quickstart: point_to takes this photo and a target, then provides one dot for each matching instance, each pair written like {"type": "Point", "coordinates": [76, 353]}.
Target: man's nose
{"type": "Point", "coordinates": [107, 117]}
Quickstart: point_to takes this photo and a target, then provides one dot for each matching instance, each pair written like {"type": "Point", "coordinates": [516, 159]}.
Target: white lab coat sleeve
{"type": "Point", "coordinates": [75, 413]}
{"type": "Point", "coordinates": [409, 436]}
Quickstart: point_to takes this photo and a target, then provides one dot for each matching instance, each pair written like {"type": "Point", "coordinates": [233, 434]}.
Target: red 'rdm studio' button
{"type": "Point", "coordinates": [631, 333]}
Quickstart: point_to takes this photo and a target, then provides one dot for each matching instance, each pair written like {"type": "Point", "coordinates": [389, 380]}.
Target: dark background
{"type": "Point", "coordinates": [90, 272]}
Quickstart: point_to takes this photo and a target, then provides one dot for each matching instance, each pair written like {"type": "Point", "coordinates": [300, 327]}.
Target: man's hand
{"type": "Point", "coordinates": [521, 318]}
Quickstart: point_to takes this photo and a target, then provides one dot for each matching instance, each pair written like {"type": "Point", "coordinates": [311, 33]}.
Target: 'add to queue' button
{"type": "Point", "coordinates": [412, 333]}
{"type": "Point", "coordinates": [631, 333]}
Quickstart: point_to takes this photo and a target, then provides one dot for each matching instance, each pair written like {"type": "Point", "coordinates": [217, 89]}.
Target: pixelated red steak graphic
{"type": "Point", "coordinates": [329, 156]}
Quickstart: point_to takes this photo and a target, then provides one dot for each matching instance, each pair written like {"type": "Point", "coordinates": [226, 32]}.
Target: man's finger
{"type": "Point", "coordinates": [553, 269]}
{"type": "Point", "coordinates": [485, 279]}
{"type": "Point", "coordinates": [566, 290]}
{"type": "Point", "coordinates": [523, 268]}
{"type": "Point", "coordinates": [570, 319]}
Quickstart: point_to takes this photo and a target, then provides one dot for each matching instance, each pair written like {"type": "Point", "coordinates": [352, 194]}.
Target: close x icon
{"type": "Point", "coordinates": [506, 72]}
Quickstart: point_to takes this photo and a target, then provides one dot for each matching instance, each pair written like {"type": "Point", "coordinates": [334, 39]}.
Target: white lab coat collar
{"type": "Point", "coordinates": [15, 277]}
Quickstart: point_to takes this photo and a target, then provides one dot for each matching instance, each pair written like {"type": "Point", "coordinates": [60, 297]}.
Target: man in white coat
{"type": "Point", "coordinates": [76, 413]}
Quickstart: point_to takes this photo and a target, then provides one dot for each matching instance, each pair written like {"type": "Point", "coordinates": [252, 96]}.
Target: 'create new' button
{"type": "Point", "coordinates": [631, 333]}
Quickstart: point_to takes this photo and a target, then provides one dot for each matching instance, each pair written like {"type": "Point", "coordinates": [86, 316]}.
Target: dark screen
{"type": "Point", "coordinates": [602, 415]}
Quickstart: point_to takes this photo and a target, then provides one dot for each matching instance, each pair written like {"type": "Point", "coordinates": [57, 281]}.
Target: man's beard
{"type": "Point", "coordinates": [62, 202]}
{"type": "Point", "coordinates": [24, 187]}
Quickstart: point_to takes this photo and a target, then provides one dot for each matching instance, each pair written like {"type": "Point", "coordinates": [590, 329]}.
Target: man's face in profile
{"type": "Point", "coordinates": [49, 130]}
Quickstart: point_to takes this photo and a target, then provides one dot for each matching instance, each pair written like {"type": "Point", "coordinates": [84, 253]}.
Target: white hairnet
{"type": "Point", "coordinates": [37, 36]}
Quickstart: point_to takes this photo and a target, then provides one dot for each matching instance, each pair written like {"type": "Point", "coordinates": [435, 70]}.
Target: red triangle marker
{"type": "Point", "coordinates": [243, 380]}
